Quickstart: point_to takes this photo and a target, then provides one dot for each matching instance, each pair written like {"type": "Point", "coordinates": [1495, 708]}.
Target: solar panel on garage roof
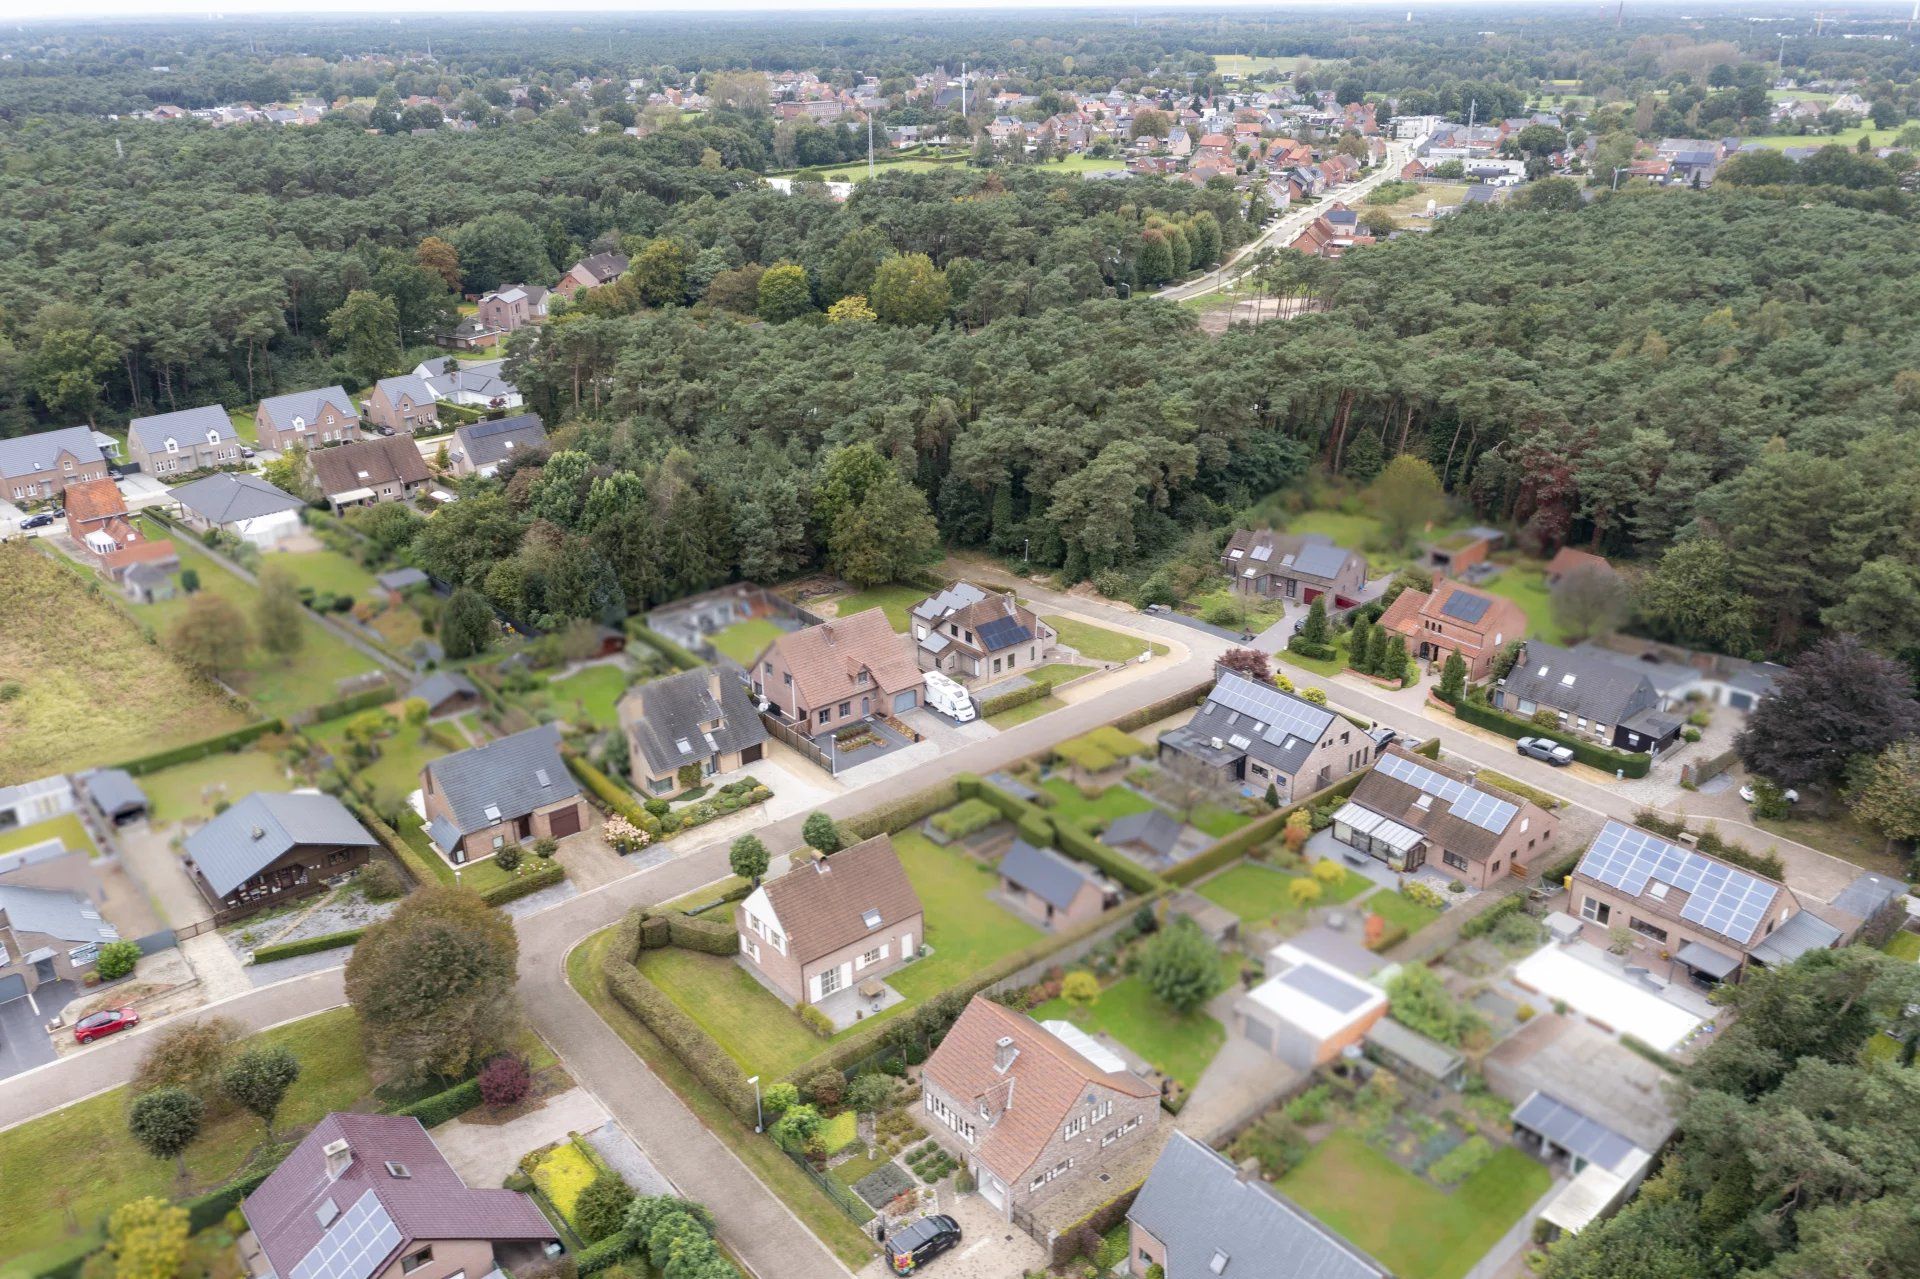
{"type": "Point", "coordinates": [1730, 902]}
{"type": "Point", "coordinates": [1466, 608]}
{"type": "Point", "coordinates": [1284, 716]}
{"type": "Point", "coordinates": [1469, 804]}
{"type": "Point", "coordinates": [1003, 632]}
{"type": "Point", "coordinates": [354, 1246]}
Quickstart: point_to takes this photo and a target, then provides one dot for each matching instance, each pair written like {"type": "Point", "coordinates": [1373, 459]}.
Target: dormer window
{"type": "Point", "coordinates": [213, 436]}
{"type": "Point", "coordinates": [299, 423]}
{"type": "Point", "coordinates": [173, 445]}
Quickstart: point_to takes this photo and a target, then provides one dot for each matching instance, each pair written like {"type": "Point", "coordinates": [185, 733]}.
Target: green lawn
{"type": "Point", "coordinates": [895, 600]}
{"type": "Point", "coordinates": [1078, 810]}
{"type": "Point", "coordinates": [1526, 585]}
{"type": "Point", "coordinates": [1099, 643]}
{"type": "Point", "coordinates": [593, 693]}
{"type": "Point", "coordinates": [1321, 666]}
{"type": "Point", "coordinates": [1176, 1044]}
{"type": "Point", "coordinates": [1257, 892]}
{"type": "Point", "coordinates": [1404, 911]}
{"type": "Point", "coordinates": [965, 929]}
{"type": "Point", "coordinates": [744, 641]}
{"type": "Point", "coordinates": [66, 828]}
{"type": "Point", "coordinates": [1025, 711]}
{"type": "Point", "coordinates": [1216, 821]}
{"type": "Point", "coordinates": [243, 424]}
{"type": "Point", "coordinates": [181, 792]}
{"type": "Point", "coordinates": [396, 773]}
{"type": "Point", "coordinates": [1904, 945]}
{"type": "Point", "coordinates": [80, 1160]}
{"type": "Point", "coordinates": [1058, 672]}
{"type": "Point", "coordinates": [326, 571]}
{"type": "Point", "coordinates": [1848, 138]}
{"type": "Point", "coordinates": [1410, 1225]}
{"type": "Point", "coordinates": [481, 876]}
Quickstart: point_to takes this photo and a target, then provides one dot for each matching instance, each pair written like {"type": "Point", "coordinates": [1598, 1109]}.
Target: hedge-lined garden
{"type": "Point", "coordinates": [1476, 712]}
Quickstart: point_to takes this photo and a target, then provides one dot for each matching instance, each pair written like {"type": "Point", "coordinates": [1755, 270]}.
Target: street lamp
{"type": "Point", "coordinates": [755, 1081]}
{"type": "Point", "coordinates": [1616, 177]}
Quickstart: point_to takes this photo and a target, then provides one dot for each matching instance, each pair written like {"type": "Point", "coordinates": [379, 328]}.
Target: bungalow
{"type": "Point", "coordinates": [515, 788]}
{"type": "Point", "coordinates": [1034, 1110]}
{"type": "Point", "coordinates": [244, 505]}
{"type": "Point", "coordinates": [310, 418]}
{"type": "Point", "coordinates": [471, 334]}
{"type": "Point", "coordinates": [1458, 552]}
{"type": "Point", "coordinates": [838, 672]}
{"type": "Point", "coordinates": [1454, 618]}
{"type": "Point", "coordinates": [404, 402]}
{"type": "Point", "coordinates": [590, 273]}
{"type": "Point", "coordinates": [367, 472]}
{"type": "Point", "coordinates": [480, 447]}
{"type": "Point", "coordinates": [40, 466]}
{"type": "Point", "coordinates": [832, 924]}
{"type": "Point", "coordinates": [505, 310]}
{"type": "Point", "coordinates": [1597, 696]}
{"type": "Point", "coordinates": [188, 440]}
{"type": "Point", "coordinates": [1410, 811]}
{"type": "Point", "coordinates": [271, 847]}
{"type": "Point", "coordinates": [1252, 735]}
{"type": "Point", "coordinates": [1291, 566]}
{"type": "Point", "coordinates": [479, 384]}
{"type": "Point", "coordinates": [47, 934]}
{"type": "Point", "coordinates": [702, 721]}
{"type": "Point", "coordinates": [1050, 887]}
{"type": "Point", "coordinates": [969, 632]}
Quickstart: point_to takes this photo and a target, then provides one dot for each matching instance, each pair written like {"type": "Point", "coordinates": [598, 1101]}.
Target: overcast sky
{"type": "Point", "coordinates": [79, 9]}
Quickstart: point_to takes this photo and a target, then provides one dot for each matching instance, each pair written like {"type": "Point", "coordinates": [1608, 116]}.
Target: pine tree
{"type": "Point", "coordinates": [1393, 662]}
{"type": "Point", "coordinates": [1357, 642]}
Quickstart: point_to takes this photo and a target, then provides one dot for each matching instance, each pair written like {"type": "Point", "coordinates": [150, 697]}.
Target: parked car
{"type": "Point", "coordinates": [110, 1021]}
{"type": "Point", "coordinates": [37, 521]}
{"type": "Point", "coordinates": [916, 1244]}
{"type": "Point", "coordinates": [1158, 608]}
{"type": "Point", "coordinates": [246, 452]}
{"type": "Point", "coordinates": [1546, 750]}
{"type": "Point", "coordinates": [1791, 796]}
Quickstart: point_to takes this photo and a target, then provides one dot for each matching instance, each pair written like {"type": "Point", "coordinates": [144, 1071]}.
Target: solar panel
{"type": "Point", "coordinates": [1324, 987]}
{"type": "Point", "coordinates": [1719, 897]}
{"type": "Point", "coordinates": [1469, 804]}
{"type": "Point", "coordinates": [1261, 553]}
{"type": "Point", "coordinates": [1466, 608]}
{"type": "Point", "coordinates": [1572, 1131]}
{"type": "Point", "coordinates": [1285, 715]}
{"type": "Point", "coordinates": [354, 1246]}
{"type": "Point", "coordinates": [1003, 632]}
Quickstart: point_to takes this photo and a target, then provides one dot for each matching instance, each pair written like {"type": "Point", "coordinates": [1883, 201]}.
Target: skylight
{"type": "Point", "coordinates": [871, 918]}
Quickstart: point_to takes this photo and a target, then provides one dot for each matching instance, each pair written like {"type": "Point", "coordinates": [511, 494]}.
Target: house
{"type": "Point", "coordinates": [514, 788]}
{"type": "Point", "coordinates": [968, 632]}
{"type": "Point", "coordinates": [366, 472]}
{"type": "Point", "coordinates": [505, 310]}
{"type": "Point", "coordinates": [702, 720]}
{"type": "Point", "coordinates": [372, 1197]}
{"type": "Point", "coordinates": [97, 519]}
{"type": "Point", "coordinates": [1199, 1216]}
{"type": "Point", "coordinates": [1052, 888]}
{"type": "Point", "coordinates": [1298, 567]}
{"type": "Point", "coordinates": [837, 672]}
{"type": "Point", "coordinates": [591, 273]}
{"type": "Point", "coordinates": [1596, 696]}
{"type": "Point", "coordinates": [471, 334]}
{"type": "Point", "coordinates": [311, 418]}
{"type": "Point", "coordinates": [446, 693]}
{"type": "Point", "coordinates": [199, 439]}
{"type": "Point", "coordinates": [1326, 237]}
{"type": "Point", "coordinates": [832, 924]}
{"type": "Point", "coordinates": [244, 505]}
{"type": "Point", "coordinates": [1252, 735]}
{"type": "Point", "coordinates": [91, 506]}
{"type": "Point", "coordinates": [480, 447]}
{"type": "Point", "coordinates": [1690, 914]}
{"type": "Point", "coordinates": [1411, 811]}
{"type": "Point", "coordinates": [1307, 1011]}
{"type": "Point", "coordinates": [271, 847]}
{"type": "Point", "coordinates": [115, 795]}
{"type": "Point", "coordinates": [403, 402]}
{"type": "Point", "coordinates": [1033, 1110]}
{"type": "Point", "coordinates": [39, 467]}
{"type": "Point", "coordinates": [1453, 618]}
{"type": "Point", "coordinates": [1155, 837]}
{"type": "Point", "coordinates": [1568, 560]}
{"type": "Point", "coordinates": [1458, 552]}
{"type": "Point", "coordinates": [479, 384]}
{"type": "Point", "coordinates": [47, 934]}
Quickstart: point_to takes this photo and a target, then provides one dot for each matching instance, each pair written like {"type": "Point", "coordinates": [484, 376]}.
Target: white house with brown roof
{"type": "Point", "coordinates": [967, 632]}
{"type": "Point", "coordinates": [832, 924]}
{"type": "Point", "coordinates": [837, 673]}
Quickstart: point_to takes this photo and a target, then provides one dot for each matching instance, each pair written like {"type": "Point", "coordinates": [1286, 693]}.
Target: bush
{"type": "Point", "coordinates": [1690, 734]}
{"type": "Point", "coordinates": [307, 946]}
{"type": "Point", "coordinates": [117, 959]}
{"type": "Point", "coordinates": [1485, 922]}
{"type": "Point", "coordinates": [382, 881]}
{"type": "Point", "coordinates": [442, 1106]}
{"type": "Point", "coordinates": [508, 858]}
{"type": "Point", "coordinates": [601, 1209]}
{"type": "Point", "coordinates": [968, 817]}
{"type": "Point", "coordinates": [816, 1021]}
{"type": "Point", "coordinates": [1461, 1162]}
{"type": "Point", "coordinates": [1308, 649]}
{"type": "Point", "coordinates": [505, 1081]}
{"type": "Point", "coordinates": [827, 1088]}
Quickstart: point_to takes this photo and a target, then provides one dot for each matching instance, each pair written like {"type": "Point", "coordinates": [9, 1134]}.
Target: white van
{"type": "Point", "coordinates": [949, 698]}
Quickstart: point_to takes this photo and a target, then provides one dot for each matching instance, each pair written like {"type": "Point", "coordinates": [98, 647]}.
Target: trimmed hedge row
{"type": "Point", "coordinates": [307, 946]}
{"type": "Point", "coordinates": [680, 657]}
{"type": "Point", "coordinates": [1100, 1220]}
{"type": "Point", "coordinates": [362, 701]}
{"type": "Point", "coordinates": [709, 936]}
{"type": "Point", "coordinates": [1018, 697]}
{"type": "Point", "coordinates": [696, 1049]}
{"type": "Point", "coordinates": [1231, 848]}
{"type": "Point", "coordinates": [225, 742]}
{"type": "Point", "coordinates": [1038, 827]}
{"type": "Point", "coordinates": [1157, 711]}
{"type": "Point", "coordinates": [1601, 757]}
{"type": "Point", "coordinates": [1304, 647]}
{"type": "Point", "coordinates": [442, 1106]}
{"type": "Point", "coordinates": [211, 1208]}
{"type": "Point", "coordinates": [596, 1257]}
{"type": "Point", "coordinates": [545, 874]}
{"type": "Point", "coordinates": [610, 793]}
{"type": "Point", "coordinates": [423, 871]}
{"type": "Point", "coordinates": [902, 813]}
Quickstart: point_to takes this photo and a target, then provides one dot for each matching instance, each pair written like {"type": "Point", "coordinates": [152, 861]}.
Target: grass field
{"type": "Point", "coordinates": [1025, 711]}
{"type": "Point", "coordinates": [327, 571]}
{"type": "Point", "coordinates": [1839, 834]}
{"type": "Point", "coordinates": [1070, 804]}
{"type": "Point", "coordinates": [744, 641]}
{"type": "Point", "coordinates": [396, 773]}
{"type": "Point", "coordinates": [182, 792]}
{"type": "Point", "coordinates": [1445, 195]}
{"type": "Point", "coordinates": [1848, 138]}
{"type": "Point", "coordinates": [1258, 893]}
{"type": "Point", "coordinates": [80, 1160]}
{"type": "Point", "coordinates": [1099, 643]}
{"type": "Point", "coordinates": [1526, 585]}
{"type": "Point", "coordinates": [594, 693]}
{"type": "Point", "coordinates": [1058, 672]}
{"type": "Point", "coordinates": [1404, 911]}
{"type": "Point", "coordinates": [1176, 1044]}
{"type": "Point", "coordinates": [66, 828]}
{"type": "Point", "coordinates": [64, 647]}
{"type": "Point", "coordinates": [1904, 946]}
{"type": "Point", "coordinates": [1216, 821]}
{"type": "Point", "coordinates": [1246, 64]}
{"type": "Point", "coordinates": [893, 600]}
{"type": "Point", "coordinates": [243, 425]}
{"type": "Point", "coordinates": [1412, 1226]}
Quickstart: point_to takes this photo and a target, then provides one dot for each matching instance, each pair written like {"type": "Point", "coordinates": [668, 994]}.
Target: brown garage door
{"type": "Point", "coordinates": [565, 821]}
{"type": "Point", "coordinates": [752, 754]}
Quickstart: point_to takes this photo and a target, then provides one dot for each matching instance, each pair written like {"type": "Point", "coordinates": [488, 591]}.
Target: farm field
{"type": "Point", "coordinates": [1848, 138]}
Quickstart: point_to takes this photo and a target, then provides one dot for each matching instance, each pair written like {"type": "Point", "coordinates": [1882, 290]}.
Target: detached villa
{"type": "Point", "coordinates": [1411, 811]}
{"type": "Point", "coordinates": [967, 632]}
{"type": "Point", "coordinates": [701, 718]}
{"type": "Point", "coordinates": [839, 923]}
{"type": "Point", "coordinates": [515, 788]}
{"type": "Point", "coordinates": [837, 673]}
{"type": "Point", "coordinates": [1294, 567]}
{"type": "Point", "coordinates": [1253, 735]}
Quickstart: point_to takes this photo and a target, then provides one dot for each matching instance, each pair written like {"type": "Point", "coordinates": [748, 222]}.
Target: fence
{"type": "Point", "coordinates": [797, 740]}
{"type": "Point", "coordinates": [843, 1198]}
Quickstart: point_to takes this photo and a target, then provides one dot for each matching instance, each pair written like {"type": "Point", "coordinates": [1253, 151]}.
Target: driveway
{"type": "Point", "coordinates": [484, 1152]}
{"type": "Point", "coordinates": [24, 1042]}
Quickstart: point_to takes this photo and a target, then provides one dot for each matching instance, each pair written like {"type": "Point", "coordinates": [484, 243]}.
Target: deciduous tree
{"type": "Point", "coordinates": [258, 1079]}
{"type": "Point", "coordinates": [278, 616]}
{"type": "Point", "coordinates": [165, 1122]}
{"type": "Point", "coordinates": [210, 634]}
{"type": "Point", "coordinates": [1837, 702]}
{"type": "Point", "coordinates": [1181, 967]}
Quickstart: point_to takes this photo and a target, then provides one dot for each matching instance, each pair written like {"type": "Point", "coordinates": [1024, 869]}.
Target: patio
{"type": "Point", "coordinates": [879, 742]}
{"type": "Point", "coordinates": [857, 1003]}
{"type": "Point", "coordinates": [1597, 986]}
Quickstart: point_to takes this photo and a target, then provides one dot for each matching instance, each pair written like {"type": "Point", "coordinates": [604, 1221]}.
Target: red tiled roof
{"type": "Point", "coordinates": [92, 500]}
{"type": "Point", "coordinates": [823, 910]}
{"type": "Point", "coordinates": [825, 660]}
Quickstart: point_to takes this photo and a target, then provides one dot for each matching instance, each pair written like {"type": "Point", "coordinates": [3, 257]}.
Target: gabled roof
{"type": "Point", "coordinates": [306, 405]}
{"type": "Point", "coordinates": [243, 841]}
{"type": "Point", "coordinates": [93, 500]}
{"type": "Point", "coordinates": [1604, 690]}
{"type": "Point", "coordinates": [1255, 720]}
{"type": "Point", "coordinates": [603, 266]}
{"type": "Point", "coordinates": [1450, 807]}
{"type": "Point", "coordinates": [1155, 829]}
{"type": "Point", "coordinates": [1053, 878]}
{"type": "Point", "coordinates": [504, 779]}
{"type": "Point", "coordinates": [1259, 552]}
{"type": "Point", "coordinates": [1212, 1221]}
{"type": "Point", "coordinates": [490, 443]}
{"type": "Point", "coordinates": [54, 913]}
{"type": "Point", "coordinates": [949, 600]}
{"type": "Point", "coordinates": [408, 384]}
{"type": "Point", "coordinates": [842, 898]}
{"type": "Point", "coordinates": [664, 718]}
{"type": "Point", "coordinates": [27, 455]}
{"type": "Point", "coordinates": [227, 498]}
{"type": "Point", "coordinates": [185, 426]}
{"type": "Point", "coordinates": [826, 658]}
{"type": "Point", "coordinates": [114, 791]}
{"type": "Point", "coordinates": [361, 464]}
{"type": "Point", "coordinates": [1478, 611]}
{"type": "Point", "coordinates": [1046, 1079]}
{"type": "Point", "coordinates": [1681, 883]}
{"type": "Point", "coordinates": [441, 685]}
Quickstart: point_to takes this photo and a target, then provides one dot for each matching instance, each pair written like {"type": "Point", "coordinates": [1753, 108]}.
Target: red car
{"type": "Point", "coordinates": [94, 1025]}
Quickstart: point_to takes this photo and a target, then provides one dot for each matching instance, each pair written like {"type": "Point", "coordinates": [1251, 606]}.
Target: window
{"type": "Point", "coordinates": [1645, 929]}
{"type": "Point", "coordinates": [499, 841]}
{"type": "Point", "coordinates": [769, 667]}
{"type": "Point", "coordinates": [829, 981]}
{"type": "Point", "coordinates": [1077, 1126]}
{"type": "Point", "coordinates": [937, 1107]}
{"type": "Point", "coordinates": [825, 716]}
{"type": "Point", "coordinates": [1453, 859]}
{"type": "Point", "coordinates": [846, 709]}
{"type": "Point", "coordinates": [412, 1263]}
{"type": "Point", "coordinates": [788, 677]}
{"type": "Point", "coordinates": [873, 956]}
{"type": "Point", "coordinates": [1595, 910]}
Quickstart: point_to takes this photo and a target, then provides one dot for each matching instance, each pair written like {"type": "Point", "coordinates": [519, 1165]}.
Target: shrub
{"type": "Point", "coordinates": [117, 959]}
{"type": "Point", "coordinates": [1420, 895]}
{"type": "Point", "coordinates": [1690, 733]}
{"type": "Point", "coordinates": [968, 817]}
{"type": "Point", "coordinates": [827, 1088]}
{"type": "Point", "coordinates": [545, 846]}
{"type": "Point", "coordinates": [189, 1056]}
{"type": "Point", "coordinates": [601, 1209]}
{"type": "Point", "coordinates": [442, 1106]}
{"type": "Point", "coordinates": [780, 1098]}
{"type": "Point", "coordinates": [382, 881]}
{"type": "Point", "coordinates": [816, 1021]}
{"type": "Point", "coordinates": [1461, 1162]}
{"type": "Point", "coordinates": [505, 1081]}
{"type": "Point", "coordinates": [508, 858]}
{"type": "Point", "coordinates": [1274, 1142]}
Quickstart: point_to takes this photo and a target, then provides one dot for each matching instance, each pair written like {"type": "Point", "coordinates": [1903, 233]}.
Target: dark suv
{"type": "Point", "coordinates": [914, 1245]}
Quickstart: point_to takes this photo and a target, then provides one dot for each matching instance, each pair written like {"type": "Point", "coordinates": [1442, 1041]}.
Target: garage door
{"type": "Point", "coordinates": [13, 986]}
{"type": "Point", "coordinates": [754, 753]}
{"type": "Point", "coordinates": [1258, 1033]}
{"type": "Point", "coordinates": [991, 1191]}
{"type": "Point", "coordinates": [905, 701]}
{"type": "Point", "coordinates": [565, 821]}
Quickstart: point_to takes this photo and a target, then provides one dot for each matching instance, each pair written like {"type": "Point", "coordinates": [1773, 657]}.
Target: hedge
{"type": "Point", "coordinates": [596, 1257]}
{"type": "Point", "coordinates": [442, 1106]}
{"type": "Point", "coordinates": [1018, 697]}
{"type": "Point", "coordinates": [1231, 848]}
{"type": "Point", "coordinates": [609, 792]}
{"type": "Point", "coordinates": [1100, 1220]}
{"type": "Point", "coordinates": [307, 946]}
{"type": "Point", "coordinates": [1154, 712]}
{"type": "Point", "coordinates": [680, 657]}
{"type": "Point", "coordinates": [545, 874]}
{"type": "Point", "coordinates": [1601, 757]}
{"type": "Point", "coordinates": [1037, 827]}
{"type": "Point", "coordinates": [902, 813]}
{"type": "Point", "coordinates": [423, 871]}
{"type": "Point", "coordinates": [1483, 923]}
{"type": "Point", "coordinates": [1305, 647]}
{"type": "Point", "coordinates": [225, 742]}
{"type": "Point", "coordinates": [211, 1208]}
{"type": "Point", "coordinates": [710, 936]}
{"type": "Point", "coordinates": [361, 701]}
{"type": "Point", "coordinates": [696, 1049]}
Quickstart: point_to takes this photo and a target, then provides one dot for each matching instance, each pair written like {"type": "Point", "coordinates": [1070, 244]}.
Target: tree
{"type": "Point", "coordinates": [1420, 1001]}
{"type": "Point", "coordinates": [441, 258]}
{"type": "Point", "coordinates": [1693, 596]}
{"type": "Point", "coordinates": [1407, 497]}
{"type": "Point", "coordinates": [909, 289]}
{"type": "Point", "coordinates": [1080, 988]}
{"type": "Point", "coordinates": [601, 1208]}
{"type": "Point", "coordinates": [210, 635]}
{"type": "Point", "coordinates": [1149, 123]}
{"type": "Point", "coordinates": [147, 1239]}
{"type": "Point", "coordinates": [498, 249]}
{"type": "Point", "coordinates": [258, 1079]}
{"type": "Point", "coordinates": [1250, 662]}
{"type": "Point", "coordinates": [659, 272]}
{"type": "Point", "coordinates": [367, 326]}
{"type": "Point", "coordinates": [1886, 794]}
{"type": "Point", "coordinates": [1316, 631]}
{"type": "Point", "coordinates": [165, 1122]}
{"type": "Point", "coordinates": [1393, 660]}
{"type": "Point", "coordinates": [886, 537]}
{"type": "Point", "coordinates": [799, 1128]}
{"type": "Point", "coordinates": [821, 834]}
{"type": "Point", "coordinates": [1453, 677]}
{"type": "Point", "coordinates": [278, 616]}
{"type": "Point", "coordinates": [189, 580]}
{"type": "Point", "coordinates": [1304, 892]}
{"type": "Point", "coordinates": [1181, 967]}
{"type": "Point", "coordinates": [748, 858]}
{"type": "Point", "coordinates": [868, 1094]}
{"type": "Point", "coordinates": [433, 983]}
{"type": "Point", "coordinates": [466, 624]}
{"type": "Point", "coordinates": [505, 1081]}
{"type": "Point", "coordinates": [851, 309]}
{"type": "Point", "coordinates": [1590, 600]}
{"type": "Point", "coordinates": [1881, 604]}
{"type": "Point", "coordinates": [190, 1056]}
{"type": "Point", "coordinates": [784, 293]}
{"type": "Point", "coordinates": [1837, 702]}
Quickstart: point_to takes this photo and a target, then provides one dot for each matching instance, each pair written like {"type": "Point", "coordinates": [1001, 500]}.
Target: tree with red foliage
{"type": "Point", "coordinates": [1250, 662]}
{"type": "Point", "coordinates": [505, 1081]}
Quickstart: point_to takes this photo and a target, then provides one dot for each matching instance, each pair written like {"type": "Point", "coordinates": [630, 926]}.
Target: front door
{"type": "Point", "coordinates": [992, 1191]}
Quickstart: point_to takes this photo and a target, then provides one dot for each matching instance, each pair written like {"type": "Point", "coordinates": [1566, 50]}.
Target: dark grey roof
{"type": "Point", "coordinates": [1322, 559]}
{"type": "Point", "coordinates": [1054, 879]}
{"type": "Point", "coordinates": [1323, 987]}
{"type": "Point", "coordinates": [305, 405]}
{"type": "Point", "coordinates": [1213, 1223]}
{"type": "Point", "coordinates": [1013, 786]}
{"type": "Point", "coordinates": [1465, 606]}
{"type": "Point", "coordinates": [25, 455]}
{"type": "Point", "coordinates": [1252, 720]}
{"type": "Point", "coordinates": [1803, 931]}
{"type": "Point", "coordinates": [504, 777]}
{"type": "Point", "coordinates": [1867, 894]}
{"type": "Point", "coordinates": [490, 443]}
{"type": "Point", "coordinates": [1572, 1131]}
{"type": "Point", "coordinates": [439, 686]}
{"type": "Point", "coordinates": [1153, 829]}
{"type": "Point", "coordinates": [227, 497]}
{"type": "Point", "coordinates": [1432, 1058]}
{"type": "Point", "coordinates": [241, 842]}
{"type": "Point", "coordinates": [1604, 690]}
{"type": "Point", "coordinates": [409, 384]}
{"type": "Point", "coordinates": [54, 913]}
{"type": "Point", "coordinates": [184, 425]}
{"type": "Point", "coordinates": [664, 718]}
{"type": "Point", "coordinates": [950, 600]}
{"type": "Point", "coordinates": [400, 578]}
{"type": "Point", "coordinates": [114, 791]}
{"type": "Point", "coordinates": [1717, 964]}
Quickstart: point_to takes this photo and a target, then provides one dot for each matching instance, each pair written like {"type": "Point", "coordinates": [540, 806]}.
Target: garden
{"type": "Point", "coordinates": [189, 791]}
{"type": "Point", "coordinates": [383, 754]}
{"type": "Point", "coordinates": [744, 641]}
{"type": "Point", "coordinates": [1099, 643]}
{"type": "Point", "coordinates": [1271, 897]}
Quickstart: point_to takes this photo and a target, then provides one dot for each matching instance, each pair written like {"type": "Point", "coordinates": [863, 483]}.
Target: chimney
{"type": "Point", "coordinates": [1003, 1053]}
{"type": "Point", "coordinates": [713, 682]}
{"type": "Point", "coordinates": [339, 1155]}
{"type": "Point", "coordinates": [1218, 744]}
{"type": "Point", "coordinates": [820, 865]}
{"type": "Point", "coordinates": [256, 833]}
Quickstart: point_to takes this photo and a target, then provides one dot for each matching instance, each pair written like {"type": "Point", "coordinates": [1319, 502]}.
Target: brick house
{"type": "Point", "coordinates": [505, 310]}
{"type": "Point", "coordinates": [1454, 618]}
{"type": "Point", "coordinates": [200, 439]}
{"type": "Point", "coordinates": [591, 273]}
{"type": "Point", "coordinates": [271, 847]}
{"type": "Point", "coordinates": [827, 676]}
{"type": "Point", "coordinates": [312, 418]}
{"type": "Point", "coordinates": [968, 632]}
{"type": "Point", "coordinates": [1410, 811]}
{"type": "Point", "coordinates": [479, 448]}
{"type": "Point", "coordinates": [701, 719]}
{"type": "Point", "coordinates": [403, 403]}
{"type": "Point", "coordinates": [47, 934]}
{"type": "Point", "coordinates": [1293, 566]}
{"type": "Point", "coordinates": [98, 520]}
{"type": "Point", "coordinates": [1608, 698]}
{"type": "Point", "coordinates": [39, 467]}
{"type": "Point", "coordinates": [366, 472]}
{"type": "Point", "coordinates": [510, 790]}
{"type": "Point", "coordinates": [91, 506]}
{"type": "Point", "coordinates": [1252, 735]}
{"type": "Point", "coordinates": [1032, 1109]}
{"type": "Point", "coordinates": [1052, 888]}
{"type": "Point", "coordinates": [828, 925]}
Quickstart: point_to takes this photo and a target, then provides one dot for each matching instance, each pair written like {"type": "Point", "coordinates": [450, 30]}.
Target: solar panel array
{"type": "Point", "coordinates": [1466, 608]}
{"type": "Point", "coordinates": [1003, 632]}
{"type": "Point", "coordinates": [1730, 902]}
{"type": "Point", "coordinates": [354, 1246]}
{"type": "Point", "coordinates": [1488, 812]}
{"type": "Point", "coordinates": [1283, 715]}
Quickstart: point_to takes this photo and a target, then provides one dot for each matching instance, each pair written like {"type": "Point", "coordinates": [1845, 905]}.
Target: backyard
{"type": "Point", "coordinates": [395, 773]}
{"type": "Point", "coordinates": [1078, 810]}
{"type": "Point", "coordinates": [744, 641]}
{"type": "Point", "coordinates": [895, 600]}
{"type": "Point", "coordinates": [190, 790]}
{"type": "Point", "coordinates": [1259, 893]}
{"type": "Point", "coordinates": [327, 572]}
{"type": "Point", "coordinates": [593, 693]}
{"type": "Point", "coordinates": [66, 828]}
{"type": "Point", "coordinates": [1526, 585]}
{"type": "Point", "coordinates": [1177, 1044]}
{"type": "Point", "coordinates": [65, 645]}
{"type": "Point", "coordinates": [1400, 910]}
{"type": "Point", "coordinates": [1099, 643]}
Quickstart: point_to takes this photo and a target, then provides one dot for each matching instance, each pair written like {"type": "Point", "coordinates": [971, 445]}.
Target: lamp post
{"type": "Point", "coordinates": [755, 1081]}
{"type": "Point", "coordinates": [1616, 177]}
